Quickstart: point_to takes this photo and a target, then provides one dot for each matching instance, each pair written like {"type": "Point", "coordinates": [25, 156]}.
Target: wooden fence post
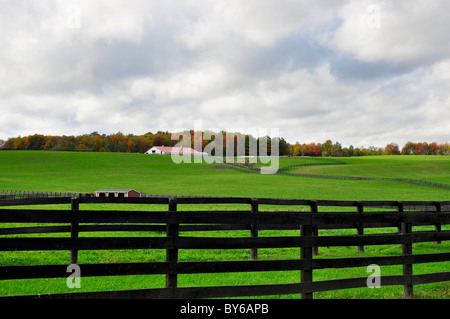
{"type": "Point", "coordinates": [400, 209]}
{"type": "Point", "coordinates": [406, 229]}
{"type": "Point", "coordinates": [314, 228]}
{"type": "Point", "coordinates": [172, 230]}
{"type": "Point", "coordinates": [360, 227]}
{"type": "Point", "coordinates": [306, 254]}
{"type": "Point", "coordinates": [75, 206]}
{"type": "Point", "coordinates": [438, 225]}
{"type": "Point", "coordinates": [254, 230]}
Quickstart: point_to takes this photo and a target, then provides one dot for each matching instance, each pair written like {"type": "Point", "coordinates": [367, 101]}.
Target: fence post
{"type": "Point", "coordinates": [360, 226]}
{"type": "Point", "coordinates": [306, 253]}
{"type": "Point", "coordinates": [254, 230]}
{"type": "Point", "coordinates": [172, 230]}
{"type": "Point", "coordinates": [75, 206]}
{"type": "Point", "coordinates": [400, 209]}
{"type": "Point", "coordinates": [406, 229]}
{"type": "Point", "coordinates": [314, 228]}
{"type": "Point", "coordinates": [438, 225]}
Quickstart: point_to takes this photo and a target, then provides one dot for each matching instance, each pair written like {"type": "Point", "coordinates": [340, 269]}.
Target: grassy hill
{"type": "Point", "coordinates": [153, 174]}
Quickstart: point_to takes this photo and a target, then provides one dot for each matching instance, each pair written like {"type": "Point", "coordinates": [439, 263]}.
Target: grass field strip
{"type": "Point", "coordinates": [327, 161]}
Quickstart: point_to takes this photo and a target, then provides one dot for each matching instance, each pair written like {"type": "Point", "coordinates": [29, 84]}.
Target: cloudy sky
{"type": "Point", "coordinates": [359, 72]}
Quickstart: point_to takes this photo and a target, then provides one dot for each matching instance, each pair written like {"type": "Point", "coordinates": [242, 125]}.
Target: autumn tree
{"type": "Point", "coordinates": [422, 148]}
{"type": "Point", "coordinates": [9, 144]}
{"type": "Point", "coordinates": [19, 143]}
{"type": "Point", "coordinates": [392, 149]}
{"type": "Point", "coordinates": [433, 147]}
{"type": "Point", "coordinates": [443, 149]}
{"type": "Point", "coordinates": [35, 142]}
{"type": "Point", "coordinates": [296, 149]}
{"type": "Point", "coordinates": [140, 144]}
{"type": "Point", "coordinates": [66, 143]}
{"type": "Point", "coordinates": [51, 142]}
{"type": "Point", "coordinates": [409, 148]}
{"type": "Point", "coordinates": [159, 140]}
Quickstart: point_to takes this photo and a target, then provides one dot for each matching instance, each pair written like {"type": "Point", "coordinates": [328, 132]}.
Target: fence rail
{"type": "Point", "coordinates": [174, 221]}
{"type": "Point", "coordinates": [18, 194]}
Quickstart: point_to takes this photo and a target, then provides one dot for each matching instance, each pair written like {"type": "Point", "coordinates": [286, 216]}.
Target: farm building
{"type": "Point", "coordinates": [165, 150]}
{"type": "Point", "coordinates": [117, 193]}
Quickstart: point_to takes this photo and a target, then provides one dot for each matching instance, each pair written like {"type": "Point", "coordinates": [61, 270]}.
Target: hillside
{"type": "Point", "coordinates": [86, 172]}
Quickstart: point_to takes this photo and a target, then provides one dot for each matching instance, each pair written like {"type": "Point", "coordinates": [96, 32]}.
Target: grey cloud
{"type": "Point", "coordinates": [159, 65]}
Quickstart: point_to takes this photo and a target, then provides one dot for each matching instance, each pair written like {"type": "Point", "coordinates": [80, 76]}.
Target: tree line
{"type": "Point", "coordinates": [336, 150]}
{"type": "Point", "coordinates": [119, 142]}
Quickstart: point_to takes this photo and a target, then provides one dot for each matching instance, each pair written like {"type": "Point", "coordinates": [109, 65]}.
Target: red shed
{"type": "Point", "coordinates": [117, 193]}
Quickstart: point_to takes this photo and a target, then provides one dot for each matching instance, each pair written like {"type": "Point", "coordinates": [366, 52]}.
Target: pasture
{"type": "Point", "coordinates": [86, 172]}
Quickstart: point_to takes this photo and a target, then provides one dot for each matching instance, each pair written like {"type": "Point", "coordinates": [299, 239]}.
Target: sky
{"type": "Point", "coordinates": [363, 73]}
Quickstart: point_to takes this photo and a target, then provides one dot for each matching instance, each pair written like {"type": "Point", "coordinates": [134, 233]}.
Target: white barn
{"type": "Point", "coordinates": [165, 150]}
{"type": "Point", "coordinates": [155, 150]}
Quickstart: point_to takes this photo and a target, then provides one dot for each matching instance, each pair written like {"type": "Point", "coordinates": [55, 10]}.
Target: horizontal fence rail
{"type": "Point", "coordinates": [17, 194]}
{"type": "Point", "coordinates": [173, 220]}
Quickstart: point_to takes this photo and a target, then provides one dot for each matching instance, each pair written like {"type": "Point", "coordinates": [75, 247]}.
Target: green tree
{"type": "Point", "coordinates": [283, 146]}
{"type": "Point", "coordinates": [336, 150]}
{"type": "Point", "coordinates": [351, 150]}
{"type": "Point", "coordinates": [327, 148]}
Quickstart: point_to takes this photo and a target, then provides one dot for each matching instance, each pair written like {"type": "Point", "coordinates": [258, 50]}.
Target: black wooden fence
{"type": "Point", "coordinates": [360, 215]}
{"type": "Point", "coordinates": [19, 194]}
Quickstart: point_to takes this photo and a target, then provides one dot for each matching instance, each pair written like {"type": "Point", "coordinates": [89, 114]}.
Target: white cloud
{"type": "Point", "coordinates": [260, 22]}
{"type": "Point", "coordinates": [197, 82]}
{"type": "Point", "coordinates": [303, 67]}
{"type": "Point", "coordinates": [411, 32]}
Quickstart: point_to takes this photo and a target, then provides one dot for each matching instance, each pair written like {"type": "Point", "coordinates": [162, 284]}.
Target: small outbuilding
{"type": "Point", "coordinates": [117, 193]}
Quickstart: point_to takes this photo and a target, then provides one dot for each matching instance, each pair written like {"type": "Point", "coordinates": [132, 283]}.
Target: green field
{"type": "Point", "coordinates": [153, 174]}
{"type": "Point", "coordinates": [434, 169]}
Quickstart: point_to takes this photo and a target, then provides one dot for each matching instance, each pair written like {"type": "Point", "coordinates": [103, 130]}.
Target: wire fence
{"type": "Point", "coordinates": [282, 171]}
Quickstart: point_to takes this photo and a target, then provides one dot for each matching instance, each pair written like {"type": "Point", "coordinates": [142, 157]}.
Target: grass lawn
{"type": "Point", "coordinates": [86, 172]}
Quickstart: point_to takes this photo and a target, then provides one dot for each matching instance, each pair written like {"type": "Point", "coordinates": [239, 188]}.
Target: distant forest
{"type": "Point", "coordinates": [130, 143]}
